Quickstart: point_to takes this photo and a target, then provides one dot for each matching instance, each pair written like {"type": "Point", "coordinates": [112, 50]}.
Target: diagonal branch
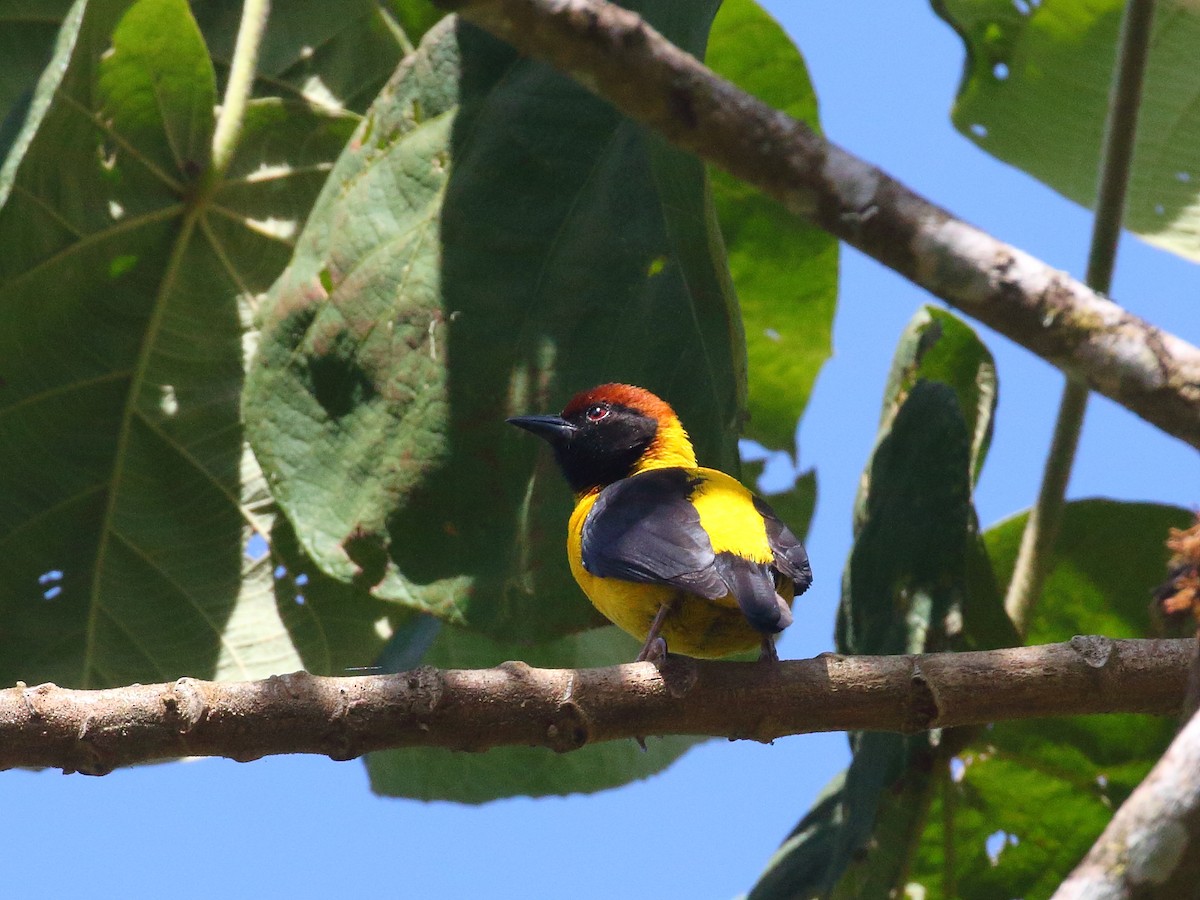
{"type": "Point", "coordinates": [563, 709]}
{"type": "Point", "coordinates": [622, 59]}
{"type": "Point", "coordinates": [1151, 848]}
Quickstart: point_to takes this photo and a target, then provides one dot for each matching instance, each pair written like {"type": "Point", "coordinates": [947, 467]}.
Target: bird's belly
{"type": "Point", "coordinates": [696, 627]}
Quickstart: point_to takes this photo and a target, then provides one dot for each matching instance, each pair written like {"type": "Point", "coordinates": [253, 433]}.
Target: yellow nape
{"type": "Point", "coordinates": [671, 448]}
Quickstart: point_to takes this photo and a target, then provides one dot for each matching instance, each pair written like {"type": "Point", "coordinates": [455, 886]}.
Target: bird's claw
{"type": "Point", "coordinates": [768, 653]}
{"type": "Point", "coordinates": [654, 650]}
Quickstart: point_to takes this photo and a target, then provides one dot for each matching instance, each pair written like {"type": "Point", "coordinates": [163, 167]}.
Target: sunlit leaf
{"type": "Point", "coordinates": [1035, 94]}
{"type": "Point", "coordinates": [126, 287]}
{"type": "Point", "coordinates": [785, 270]}
{"type": "Point", "coordinates": [493, 240]}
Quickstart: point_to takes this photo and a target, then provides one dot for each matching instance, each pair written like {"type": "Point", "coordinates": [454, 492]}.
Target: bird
{"type": "Point", "coordinates": [680, 556]}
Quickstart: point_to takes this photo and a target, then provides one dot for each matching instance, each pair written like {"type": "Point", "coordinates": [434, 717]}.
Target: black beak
{"type": "Point", "coordinates": [555, 430]}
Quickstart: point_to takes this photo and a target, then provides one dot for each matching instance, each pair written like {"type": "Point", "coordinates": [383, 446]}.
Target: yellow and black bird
{"type": "Point", "coordinates": [681, 556]}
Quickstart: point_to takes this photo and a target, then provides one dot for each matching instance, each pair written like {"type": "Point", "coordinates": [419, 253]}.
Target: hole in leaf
{"type": "Point", "coordinates": [995, 843]}
{"type": "Point", "coordinates": [256, 547]}
{"type": "Point", "coordinates": [168, 402]}
{"type": "Point", "coordinates": [301, 579]}
{"type": "Point", "coordinates": [51, 580]}
{"type": "Point", "coordinates": [980, 131]}
{"type": "Point", "coordinates": [280, 571]}
{"type": "Point", "coordinates": [1159, 209]}
{"type": "Point", "coordinates": [1021, 6]}
{"type": "Point", "coordinates": [958, 768]}
{"type": "Point", "coordinates": [300, 601]}
{"type": "Point", "coordinates": [1000, 71]}
{"type": "Point", "coordinates": [1184, 177]}
{"type": "Point", "coordinates": [772, 334]}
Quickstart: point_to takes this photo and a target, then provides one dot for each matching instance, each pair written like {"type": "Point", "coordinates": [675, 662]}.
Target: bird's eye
{"type": "Point", "coordinates": [597, 412]}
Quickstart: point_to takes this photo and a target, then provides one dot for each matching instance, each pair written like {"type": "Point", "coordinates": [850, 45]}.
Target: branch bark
{"type": "Point", "coordinates": [622, 59]}
{"type": "Point", "coordinates": [513, 704]}
{"type": "Point", "coordinates": [1151, 848]}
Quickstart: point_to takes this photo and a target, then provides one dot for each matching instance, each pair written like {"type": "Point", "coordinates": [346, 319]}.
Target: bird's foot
{"type": "Point", "coordinates": [654, 650]}
{"type": "Point", "coordinates": [768, 653]}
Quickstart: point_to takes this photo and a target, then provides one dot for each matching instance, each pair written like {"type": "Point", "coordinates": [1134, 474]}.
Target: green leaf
{"type": "Point", "coordinates": [785, 270]}
{"type": "Point", "coordinates": [1051, 785]}
{"type": "Point", "coordinates": [906, 575]}
{"type": "Point", "coordinates": [415, 17]}
{"type": "Point", "coordinates": [938, 346]}
{"type": "Point", "coordinates": [918, 580]}
{"type": "Point", "coordinates": [130, 494]}
{"type": "Point", "coordinates": [334, 55]}
{"type": "Point", "coordinates": [435, 774]}
{"type": "Point", "coordinates": [335, 627]}
{"type": "Point", "coordinates": [492, 240]}
{"type": "Point", "coordinates": [1035, 94]}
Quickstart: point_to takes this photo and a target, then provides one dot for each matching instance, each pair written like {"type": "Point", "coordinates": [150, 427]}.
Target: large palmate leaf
{"type": "Point", "coordinates": [126, 285]}
{"type": "Point", "coordinates": [917, 581]}
{"type": "Point", "coordinates": [435, 774]}
{"type": "Point", "coordinates": [1028, 798]}
{"type": "Point", "coordinates": [494, 239]}
{"type": "Point", "coordinates": [1035, 94]}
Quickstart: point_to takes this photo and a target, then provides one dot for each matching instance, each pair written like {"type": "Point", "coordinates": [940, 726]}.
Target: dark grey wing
{"type": "Point", "coordinates": [645, 529]}
{"type": "Point", "coordinates": [791, 559]}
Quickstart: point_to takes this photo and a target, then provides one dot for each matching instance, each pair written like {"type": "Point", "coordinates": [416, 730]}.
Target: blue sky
{"type": "Point", "coordinates": [306, 827]}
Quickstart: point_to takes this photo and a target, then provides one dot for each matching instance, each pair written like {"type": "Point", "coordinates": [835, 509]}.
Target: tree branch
{"type": "Point", "coordinates": [1151, 848]}
{"type": "Point", "coordinates": [622, 59]}
{"type": "Point", "coordinates": [563, 709]}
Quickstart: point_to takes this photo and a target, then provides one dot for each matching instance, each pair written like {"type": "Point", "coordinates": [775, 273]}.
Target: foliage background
{"type": "Point", "coordinates": [885, 78]}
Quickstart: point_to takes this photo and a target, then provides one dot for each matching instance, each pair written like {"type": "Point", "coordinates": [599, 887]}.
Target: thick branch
{"type": "Point", "coordinates": [1151, 848]}
{"type": "Point", "coordinates": [513, 704]}
{"type": "Point", "coordinates": [617, 55]}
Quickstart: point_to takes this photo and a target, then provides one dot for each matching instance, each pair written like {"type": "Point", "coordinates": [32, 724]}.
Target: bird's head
{"type": "Point", "coordinates": [611, 432]}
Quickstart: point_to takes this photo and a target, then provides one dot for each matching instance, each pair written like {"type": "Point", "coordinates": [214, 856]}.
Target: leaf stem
{"type": "Point", "coordinates": [1041, 529]}
{"type": "Point", "coordinates": [241, 80]}
{"type": "Point", "coordinates": [949, 848]}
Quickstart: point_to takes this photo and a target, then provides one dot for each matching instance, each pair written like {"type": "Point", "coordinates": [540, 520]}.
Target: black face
{"type": "Point", "coordinates": [596, 445]}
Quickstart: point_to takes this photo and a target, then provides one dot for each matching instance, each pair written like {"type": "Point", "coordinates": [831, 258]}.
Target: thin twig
{"type": "Point", "coordinates": [1116, 161]}
{"type": "Point", "coordinates": [622, 59]}
{"type": "Point", "coordinates": [564, 709]}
